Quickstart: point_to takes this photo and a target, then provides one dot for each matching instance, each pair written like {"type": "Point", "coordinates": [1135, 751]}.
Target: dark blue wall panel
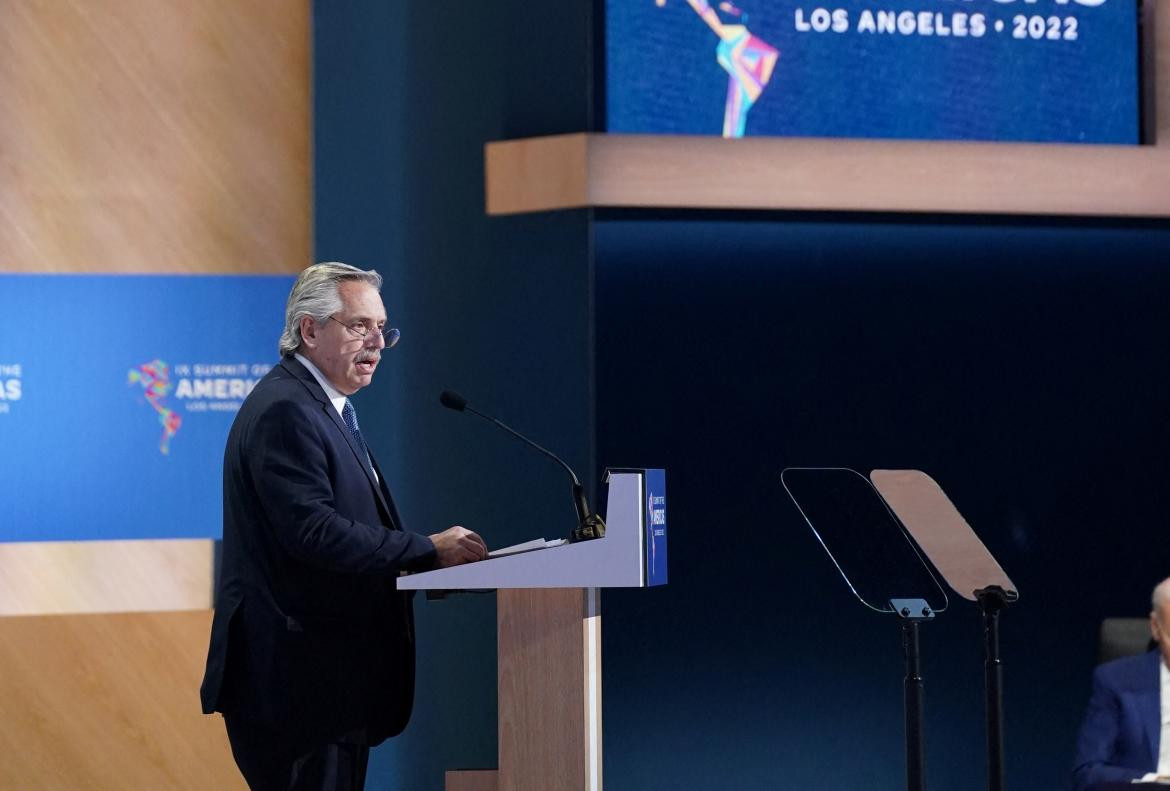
{"type": "Point", "coordinates": [1023, 365]}
{"type": "Point", "coordinates": [405, 96]}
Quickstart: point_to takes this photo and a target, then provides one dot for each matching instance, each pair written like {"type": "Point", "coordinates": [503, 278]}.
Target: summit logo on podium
{"type": "Point", "coordinates": [656, 509]}
{"type": "Point", "coordinates": [655, 536]}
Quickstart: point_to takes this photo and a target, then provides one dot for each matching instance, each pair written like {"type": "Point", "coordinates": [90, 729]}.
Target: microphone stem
{"type": "Point", "coordinates": [578, 491]}
{"type": "Point", "coordinates": [579, 501]}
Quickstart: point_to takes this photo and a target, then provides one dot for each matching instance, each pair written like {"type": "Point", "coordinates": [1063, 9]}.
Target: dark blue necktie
{"type": "Point", "coordinates": [350, 418]}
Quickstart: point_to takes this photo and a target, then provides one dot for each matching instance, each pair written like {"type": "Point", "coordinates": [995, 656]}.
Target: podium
{"type": "Point", "coordinates": [548, 623]}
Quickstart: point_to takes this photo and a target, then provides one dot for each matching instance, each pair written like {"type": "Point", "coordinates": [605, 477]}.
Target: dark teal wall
{"type": "Point", "coordinates": [405, 95]}
{"type": "Point", "coordinates": [1023, 363]}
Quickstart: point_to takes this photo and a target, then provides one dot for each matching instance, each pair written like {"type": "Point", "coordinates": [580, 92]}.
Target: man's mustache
{"type": "Point", "coordinates": [366, 357]}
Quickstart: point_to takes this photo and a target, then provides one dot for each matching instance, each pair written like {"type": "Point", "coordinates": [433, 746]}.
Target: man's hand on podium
{"type": "Point", "coordinates": [457, 545]}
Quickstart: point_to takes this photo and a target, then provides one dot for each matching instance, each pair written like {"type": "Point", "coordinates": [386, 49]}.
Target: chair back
{"type": "Point", "coordinates": [1123, 637]}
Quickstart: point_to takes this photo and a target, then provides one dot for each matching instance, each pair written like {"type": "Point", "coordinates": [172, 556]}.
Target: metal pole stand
{"type": "Point", "coordinates": [993, 600]}
{"type": "Point", "coordinates": [913, 612]}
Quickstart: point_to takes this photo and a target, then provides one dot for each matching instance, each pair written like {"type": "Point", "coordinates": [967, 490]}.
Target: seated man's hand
{"type": "Point", "coordinates": [457, 545]}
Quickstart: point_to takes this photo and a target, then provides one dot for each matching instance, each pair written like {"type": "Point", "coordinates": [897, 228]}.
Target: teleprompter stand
{"type": "Point", "coordinates": [970, 571]}
{"type": "Point", "coordinates": [882, 567]}
{"type": "Point", "coordinates": [993, 600]}
{"type": "Point", "coordinates": [911, 612]}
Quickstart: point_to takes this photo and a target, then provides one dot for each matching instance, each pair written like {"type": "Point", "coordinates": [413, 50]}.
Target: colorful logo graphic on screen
{"type": "Point", "coordinates": [746, 58]}
{"type": "Point", "coordinates": [996, 70]}
{"type": "Point", "coordinates": [154, 377]}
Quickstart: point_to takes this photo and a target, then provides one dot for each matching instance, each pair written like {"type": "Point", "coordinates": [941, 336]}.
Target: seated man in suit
{"type": "Point", "coordinates": [1125, 735]}
{"type": "Point", "coordinates": [312, 645]}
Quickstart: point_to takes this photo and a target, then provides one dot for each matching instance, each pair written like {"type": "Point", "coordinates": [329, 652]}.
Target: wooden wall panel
{"type": "Point", "coordinates": [141, 136]}
{"type": "Point", "coordinates": [109, 701]}
{"type": "Point", "coordinates": [155, 136]}
{"type": "Point", "coordinates": [137, 136]}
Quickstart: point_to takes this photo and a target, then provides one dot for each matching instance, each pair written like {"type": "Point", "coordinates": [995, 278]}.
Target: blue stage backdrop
{"type": "Point", "coordinates": [128, 412]}
{"type": "Point", "coordinates": [1019, 70]}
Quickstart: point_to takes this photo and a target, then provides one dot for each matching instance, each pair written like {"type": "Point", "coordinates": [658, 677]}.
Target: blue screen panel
{"type": "Point", "coordinates": [116, 396]}
{"type": "Point", "coordinates": [995, 70]}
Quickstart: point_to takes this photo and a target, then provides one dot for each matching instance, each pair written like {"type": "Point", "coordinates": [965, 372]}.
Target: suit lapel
{"type": "Point", "coordinates": [387, 500]}
{"type": "Point", "coordinates": [294, 367]}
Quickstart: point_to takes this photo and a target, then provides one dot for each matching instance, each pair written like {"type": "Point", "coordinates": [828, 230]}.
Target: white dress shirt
{"type": "Point", "coordinates": [335, 398]}
{"type": "Point", "coordinates": [1164, 742]}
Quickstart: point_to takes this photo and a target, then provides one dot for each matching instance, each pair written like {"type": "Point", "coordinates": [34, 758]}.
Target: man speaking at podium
{"type": "Point", "coordinates": [312, 647]}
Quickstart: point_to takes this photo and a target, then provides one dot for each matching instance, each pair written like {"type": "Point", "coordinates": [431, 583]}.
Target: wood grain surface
{"type": "Point", "coordinates": [542, 703]}
{"type": "Point", "coordinates": [109, 702]}
{"type": "Point", "coordinates": [472, 780]}
{"type": "Point", "coordinates": [136, 136]}
{"type": "Point", "coordinates": [155, 136]}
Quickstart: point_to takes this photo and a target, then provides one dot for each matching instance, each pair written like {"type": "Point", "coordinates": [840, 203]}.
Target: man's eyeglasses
{"type": "Point", "coordinates": [360, 330]}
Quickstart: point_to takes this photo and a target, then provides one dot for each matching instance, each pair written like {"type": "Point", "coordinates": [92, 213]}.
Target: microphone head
{"type": "Point", "coordinates": [452, 400]}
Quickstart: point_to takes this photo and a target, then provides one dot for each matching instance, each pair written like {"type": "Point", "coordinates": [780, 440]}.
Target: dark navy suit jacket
{"type": "Point", "coordinates": [310, 636]}
{"type": "Point", "coordinates": [1120, 733]}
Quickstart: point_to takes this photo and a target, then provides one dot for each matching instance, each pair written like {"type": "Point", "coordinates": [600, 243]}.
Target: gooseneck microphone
{"type": "Point", "coordinates": [589, 525]}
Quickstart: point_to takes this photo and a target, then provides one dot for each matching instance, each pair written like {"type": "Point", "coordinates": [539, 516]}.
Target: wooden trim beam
{"type": "Point", "coordinates": [58, 577]}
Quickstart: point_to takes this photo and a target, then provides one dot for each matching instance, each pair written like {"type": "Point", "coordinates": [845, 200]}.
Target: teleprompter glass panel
{"type": "Point", "coordinates": [941, 532]}
{"type": "Point", "coordinates": [869, 547]}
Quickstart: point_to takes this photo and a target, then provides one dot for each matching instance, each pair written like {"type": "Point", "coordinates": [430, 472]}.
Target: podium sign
{"type": "Point", "coordinates": [655, 527]}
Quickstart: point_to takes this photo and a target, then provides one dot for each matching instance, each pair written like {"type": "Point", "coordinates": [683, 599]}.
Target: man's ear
{"type": "Point", "coordinates": [309, 331]}
{"type": "Point", "coordinates": [1156, 628]}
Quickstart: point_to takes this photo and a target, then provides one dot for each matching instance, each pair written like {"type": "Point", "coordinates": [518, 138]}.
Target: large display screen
{"type": "Point", "coordinates": [995, 70]}
{"type": "Point", "coordinates": [116, 396]}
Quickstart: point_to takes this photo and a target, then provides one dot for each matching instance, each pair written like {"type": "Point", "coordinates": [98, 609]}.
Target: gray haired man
{"type": "Point", "coordinates": [312, 646]}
